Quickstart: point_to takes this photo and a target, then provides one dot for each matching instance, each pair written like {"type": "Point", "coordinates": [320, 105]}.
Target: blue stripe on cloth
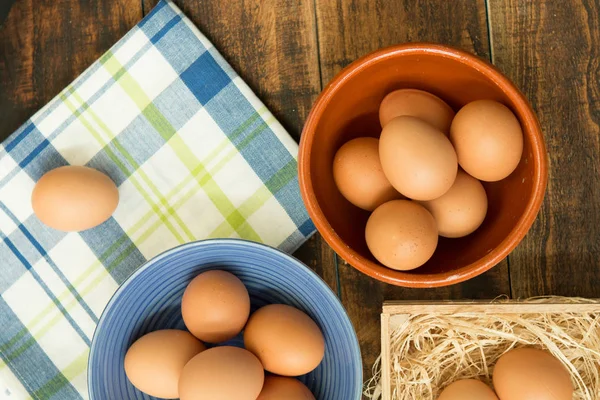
{"type": "Point", "coordinates": [33, 362]}
{"type": "Point", "coordinates": [180, 47]}
{"type": "Point", "coordinates": [161, 4]}
{"type": "Point", "coordinates": [307, 228]}
{"type": "Point", "coordinates": [15, 139]}
{"type": "Point", "coordinates": [46, 289]}
{"type": "Point", "coordinates": [205, 78]}
{"type": "Point", "coordinates": [34, 153]}
{"type": "Point", "coordinates": [114, 249]}
{"type": "Point", "coordinates": [165, 29]}
{"type": "Point", "coordinates": [54, 267]}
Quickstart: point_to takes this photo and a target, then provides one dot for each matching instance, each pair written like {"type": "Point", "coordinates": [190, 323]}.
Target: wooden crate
{"type": "Point", "coordinates": [395, 313]}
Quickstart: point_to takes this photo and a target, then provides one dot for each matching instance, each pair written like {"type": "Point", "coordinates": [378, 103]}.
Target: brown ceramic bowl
{"type": "Point", "coordinates": [348, 108]}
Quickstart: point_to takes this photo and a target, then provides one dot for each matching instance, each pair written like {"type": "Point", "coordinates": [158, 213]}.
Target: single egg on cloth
{"type": "Point", "coordinates": [284, 388]}
{"type": "Point", "coordinates": [286, 340]}
{"type": "Point", "coordinates": [418, 159]}
{"type": "Point", "coordinates": [358, 175]}
{"type": "Point", "coordinates": [215, 306]}
{"type": "Point", "coordinates": [488, 140]}
{"type": "Point", "coordinates": [154, 362]}
{"type": "Point", "coordinates": [73, 198]}
{"type": "Point", "coordinates": [468, 389]}
{"type": "Point", "coordinates": [416, 103]}
{"type": "Point", "coordinates": [462, 209]}
{"type": "Point", "coordinates": [401, 234]}
{"type": "Point", "coordinates": [222, 373]}
{"type": "Point", "coordinates": [528, 373]}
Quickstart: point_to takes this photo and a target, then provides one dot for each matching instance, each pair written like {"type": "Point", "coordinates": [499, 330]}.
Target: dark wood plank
{"type": "Point", "coordinates": [272, 45]}
{"type": "Point", "coordinates": [5, 7]}
{"type": "Point", "coordinates": [47, 44]}
{"type": "Point", "coordinates": [349, 29]}
{"type": "Point", "coordinates": [550, 50]}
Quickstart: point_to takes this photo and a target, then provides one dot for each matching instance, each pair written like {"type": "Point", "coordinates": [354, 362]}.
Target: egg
{"type": "Point", "coordinates": [284, 388]}
{"type": "Point", "coordinates": [358, 175]}
{"type": "Point", "coordinates": [215, 306]}
{"type": "Point", "coordinates": [416, 103]}
{"type": "Point", "coordinates": [488, 140]}
{"type": "Point", "coordinates": [468, 389]}
{"type": "Point", "coordinates": [418, 159]}
{"type": "Point", "coordinates": [222, 373]}
{"type": "Point", "coordinates": [154, 362]}
{"type": "Point", "coordinates": [73, 198]}
{"type": "Point", "coordinates": [401, 234]}
{"type": "Point", "coordinates": [286, 340]}
{"type": "Point", "coordinates": [462, 209]}
{"type": "Point", "coordinates": [528, 373]}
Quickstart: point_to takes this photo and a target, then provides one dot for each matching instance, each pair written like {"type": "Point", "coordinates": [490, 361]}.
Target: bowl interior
{"type": "Point", "coordinates": [151, 298]}
{"type": "Point", "coordinates": [350, 109]}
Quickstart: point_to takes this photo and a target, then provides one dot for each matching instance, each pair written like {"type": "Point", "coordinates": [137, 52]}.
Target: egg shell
{"type": "Point", "coordinates": [358, 174]}
{"type": "Point", "coordinates": [286, 340]}
{"type": "Point", "coordinates": [418, 160]}
{"type": "Point", "coordinates": [416, 103]}
{"type": "Point", "coordinates": [74, 198]}
{"type": "Point", "coordinates": [529, 373]}
{"type": "Point", "coordinates": [215, 306]}
{"type": "Point", "coordinates": [488, 140]}
{"type": "Point", "coordinates": [462, 209]}
{"type": "Point", "coordinates": [222, 373]}
{"type": "Point", "coordinates": [401, 234]}
{"type": "Point", "coordinates": [284, 388]}
{"type": "Point", "coordinates": [468, 389]}
{"type": "Point", "coordinates": [154, 362]}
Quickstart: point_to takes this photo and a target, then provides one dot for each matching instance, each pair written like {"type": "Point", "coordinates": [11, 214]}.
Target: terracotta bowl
{"type": "Point", "coordinates": [348, 108]}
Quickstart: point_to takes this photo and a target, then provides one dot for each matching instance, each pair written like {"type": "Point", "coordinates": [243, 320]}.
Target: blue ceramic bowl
{"type": "Point", "coordinates": [150, 299]}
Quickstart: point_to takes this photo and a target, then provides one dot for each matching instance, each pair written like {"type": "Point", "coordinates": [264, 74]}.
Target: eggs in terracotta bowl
{"type": "Point", "coordinates": [422, 165]}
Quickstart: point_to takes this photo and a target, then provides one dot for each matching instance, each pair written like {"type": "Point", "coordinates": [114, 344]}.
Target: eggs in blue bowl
{"type": "Point", "coordinates": [150, 300]}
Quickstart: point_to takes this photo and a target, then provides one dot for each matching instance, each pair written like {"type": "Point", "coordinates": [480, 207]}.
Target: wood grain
{"type": "Point", "coordinates": [550, 50]}
{"type": "Point", "coordinates": [47, 44]}
{"type": "Point", "coordinates": [349, 29]}
{"type": "Point", "coordinates": [272, 45]}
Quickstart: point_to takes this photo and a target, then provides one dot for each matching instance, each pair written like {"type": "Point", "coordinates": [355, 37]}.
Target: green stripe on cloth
{"type": "Point", "coordinates": [56, 383]}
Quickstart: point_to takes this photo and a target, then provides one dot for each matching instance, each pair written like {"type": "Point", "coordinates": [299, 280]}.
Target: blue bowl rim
{"type": "Point", "coordinates": [232, 241]}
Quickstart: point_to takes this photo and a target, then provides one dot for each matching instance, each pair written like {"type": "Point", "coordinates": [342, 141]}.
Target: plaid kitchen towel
{"type": "Point", "coordinates": [195, 155]}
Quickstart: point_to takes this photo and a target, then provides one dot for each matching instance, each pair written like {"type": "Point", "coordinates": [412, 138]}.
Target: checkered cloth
{"type": "Point", "coordinates": [195, 155]}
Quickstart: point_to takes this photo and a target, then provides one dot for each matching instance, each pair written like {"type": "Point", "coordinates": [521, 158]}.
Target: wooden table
{"type": "Point", "coordinates": [287, 50]}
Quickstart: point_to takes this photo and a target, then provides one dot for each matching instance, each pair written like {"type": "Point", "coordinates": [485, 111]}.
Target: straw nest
{"type": "Point", "coordinates": [431, 351]}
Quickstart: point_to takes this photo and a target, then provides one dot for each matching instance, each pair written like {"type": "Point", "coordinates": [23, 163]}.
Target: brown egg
{"type": "Point", "coordinates": [222, 373]}
{"type": "Point", "coordinates": [154, 362]}
{"type": "Point", "coordinates": [488, 140]}
{"type": "Point", "coordinates": [461, 210]}
{"type": "Point", "coordinates": [401, 234]}
{"type": "Point", "coordinates": [286, 340]}
{"type": "Point", "coordinates": [418, 160]}
{"type": "Point", "coordinates": [528, 373]}
{"type": "Point", "coordinates": [73, 198]}
{"type": "Point", "coordinates": [468, 389]}
{"type": "Point", "coordinates": [283, 388]}
{"type": "Point", "coordinates": [215, 306]}
{"type": "Point", "coordinates": [416, 103]}
{"type": "Point", "coordinates": [358, 175]}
